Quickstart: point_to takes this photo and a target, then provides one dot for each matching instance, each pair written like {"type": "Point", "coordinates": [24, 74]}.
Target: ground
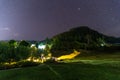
{"type": "Point", "coordinates": [92, 67]}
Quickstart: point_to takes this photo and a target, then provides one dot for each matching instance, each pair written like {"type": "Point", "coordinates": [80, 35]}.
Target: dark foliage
{"type": "Point", "coordinates": [81, 38]}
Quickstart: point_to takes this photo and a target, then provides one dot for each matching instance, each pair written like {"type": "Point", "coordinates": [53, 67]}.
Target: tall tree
{"type": "Point", "coordinates": [24, 43]}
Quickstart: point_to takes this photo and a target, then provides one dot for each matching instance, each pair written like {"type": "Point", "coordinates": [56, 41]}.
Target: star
{"type": "Point", "coordinates": [79, 9]}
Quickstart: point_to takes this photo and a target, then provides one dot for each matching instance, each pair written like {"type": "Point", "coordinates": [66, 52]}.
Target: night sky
{"type": "Point", "coordinates": [39, 19]}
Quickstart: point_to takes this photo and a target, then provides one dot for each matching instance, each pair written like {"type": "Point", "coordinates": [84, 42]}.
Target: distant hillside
{"type": "Point", "coordinates": [81, 38]}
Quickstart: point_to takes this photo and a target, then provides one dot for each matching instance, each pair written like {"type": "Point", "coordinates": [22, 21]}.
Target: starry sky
{"type": "Point", "coordinates": [39, 19]}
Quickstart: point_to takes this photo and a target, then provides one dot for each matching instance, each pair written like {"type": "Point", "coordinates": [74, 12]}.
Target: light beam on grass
{"type": "Point", "coordinates": [69, 56]}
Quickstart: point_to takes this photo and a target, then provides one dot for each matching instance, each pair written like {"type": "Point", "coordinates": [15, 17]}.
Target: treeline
{"type": "Point", "coordinates": [76, 38]}
{"type": "Point", "coordinates": [13, 51]}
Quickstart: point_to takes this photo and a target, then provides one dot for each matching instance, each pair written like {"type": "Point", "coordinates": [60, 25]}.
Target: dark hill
{"type": "Point", "coordinates": [81, 38]}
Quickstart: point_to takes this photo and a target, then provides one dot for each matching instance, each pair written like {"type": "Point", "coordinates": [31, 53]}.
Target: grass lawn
{"type": "Point", "coordinates": [93, 67]}
{"type": "Point", "coordinates": [63, 71]}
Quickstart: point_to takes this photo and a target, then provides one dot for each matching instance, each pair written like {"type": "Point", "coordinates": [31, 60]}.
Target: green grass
{"type": "Point", "coordinates": [85, 67]}
{"type": "Point", "coordinates": [63, 71]}
{"type": "Point", "coordinates": [29, 73]}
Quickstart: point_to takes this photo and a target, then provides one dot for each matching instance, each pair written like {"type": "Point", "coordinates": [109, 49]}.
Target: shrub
{"type": "Point", "coordinates": [26, 64]}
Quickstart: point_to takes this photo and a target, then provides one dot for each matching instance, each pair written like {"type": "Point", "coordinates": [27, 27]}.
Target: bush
{"type": "Point", "coordinates": [26, 64]}
{"type": "Point", "coordinates": [7, 66]}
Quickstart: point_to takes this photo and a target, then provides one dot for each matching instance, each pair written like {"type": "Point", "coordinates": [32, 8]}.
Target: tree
{"type": "Point", "coordinates": [11, 42]}
{"type": "Point", "coordinates": [101, 41]}
{"type": "Point", "coordinates": [9, 53]}
{"type": "Point", "coordinates": [22, 52]}
{"type": "Point", "coordinates": [24, 43]}
{"type": "Point", "coordinates": [34, 53]}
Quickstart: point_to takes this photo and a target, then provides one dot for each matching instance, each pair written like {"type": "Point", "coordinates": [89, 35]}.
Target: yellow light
{"type": "Point", "coordinates": [36, 60]}
{"type": "Point", "coordinates": [70, 56]}
{"type": "Point", "coordinates": [29, 59]}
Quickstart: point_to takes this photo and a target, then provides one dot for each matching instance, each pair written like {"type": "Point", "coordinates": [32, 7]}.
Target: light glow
{"type": "Point", "coordinates": [32, 45]}
{"type": "Point", "coordinates": [69, 56]}
{"type": "Point", "coordinates": [41, 46]}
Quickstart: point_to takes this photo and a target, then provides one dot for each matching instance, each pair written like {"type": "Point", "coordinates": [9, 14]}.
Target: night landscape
{"type": "Point", "coordinates": [59, 40]}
